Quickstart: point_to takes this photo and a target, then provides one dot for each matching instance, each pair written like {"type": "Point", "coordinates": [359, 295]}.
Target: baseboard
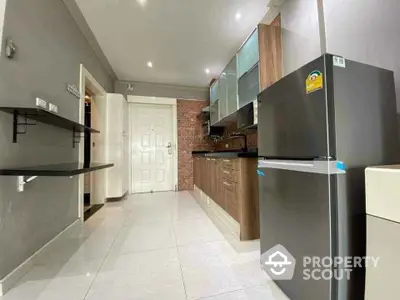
{"type": "Point", "coordinates": [16, 275]}
{"type": "Point", "coordinates": [216, 213]}
{"type": "Point", "coordinates": [115, 199]}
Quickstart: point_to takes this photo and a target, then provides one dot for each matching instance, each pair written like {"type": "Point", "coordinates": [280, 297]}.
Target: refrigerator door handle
{"type": "Point", "coordinates": [319, 167]}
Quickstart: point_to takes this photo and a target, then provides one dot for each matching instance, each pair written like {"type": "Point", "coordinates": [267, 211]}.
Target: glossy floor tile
{"type": "Point", "coordinates": [148, 247]}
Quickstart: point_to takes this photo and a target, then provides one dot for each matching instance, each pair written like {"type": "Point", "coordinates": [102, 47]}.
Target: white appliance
{"type": "Point", "coordinates": [383, 231]}
{"type": "Point", "coordinates": [117, 145]}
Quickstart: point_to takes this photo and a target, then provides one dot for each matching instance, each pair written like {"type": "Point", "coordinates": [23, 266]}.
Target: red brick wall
{"type": "Point", "coordinates": [190, 137]}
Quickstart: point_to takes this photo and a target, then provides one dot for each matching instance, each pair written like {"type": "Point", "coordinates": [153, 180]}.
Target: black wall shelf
{"type": "Point", "coordinates": [71, 169]}
{"type": "Point", "coordinates": [23, 114]}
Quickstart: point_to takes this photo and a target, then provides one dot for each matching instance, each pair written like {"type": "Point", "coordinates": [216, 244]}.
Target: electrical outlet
{"type": "Point", "coordinates": [41, 103]}
{"type": "Point", "coordinates": [226, 145]}
{"type": "Point", "coordinates": [53, 108]}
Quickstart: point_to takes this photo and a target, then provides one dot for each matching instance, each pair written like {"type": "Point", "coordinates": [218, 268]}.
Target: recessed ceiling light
{"type": "Point", "coordinates": [149, 64]}
{"type": "Point", "coordinates": [142, 3]}
{"type": "Point", "coordinates": [238, 16]}
{"type": "Point", "coordinates": [207, 71]}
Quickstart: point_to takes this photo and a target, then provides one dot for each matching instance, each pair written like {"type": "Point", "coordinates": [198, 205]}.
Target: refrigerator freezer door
{"type": "Point", "coordinates": [295, 212]}
{"type": "Point", "coordinates": [292, 119]}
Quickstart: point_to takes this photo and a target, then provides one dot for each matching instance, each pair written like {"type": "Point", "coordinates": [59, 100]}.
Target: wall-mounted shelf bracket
{"type": "Point", "coordinates": [22, 181]}
{"type": "Point", "coordinates": [17, 124]}
{"type": "Point", "coordinates": [76, 137]}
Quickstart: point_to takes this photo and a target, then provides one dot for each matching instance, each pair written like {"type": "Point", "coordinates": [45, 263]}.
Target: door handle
{"type": "Point", "coordinates": [169, 147]}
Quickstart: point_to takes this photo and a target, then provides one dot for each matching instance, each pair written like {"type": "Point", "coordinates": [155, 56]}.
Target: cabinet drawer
{"type": "Point", "coordinates": [231, 193]}
{"type": "Point", "coordinates": [230, 176]}
{"type": "Point", "coordinates": [230, 164]}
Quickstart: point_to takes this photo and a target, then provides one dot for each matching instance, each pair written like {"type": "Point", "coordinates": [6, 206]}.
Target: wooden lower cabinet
{"type": "Point", "coordinates": [232, 184]}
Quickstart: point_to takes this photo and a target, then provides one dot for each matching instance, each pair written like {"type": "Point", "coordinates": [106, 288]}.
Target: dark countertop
{"type": "Point", "coordinates": [251, 153]}
{"type": "Point", "coordinates": [55, 170]}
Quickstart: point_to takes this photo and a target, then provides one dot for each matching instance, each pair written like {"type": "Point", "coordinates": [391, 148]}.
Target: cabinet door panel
{"type": "Point", "coordinates": [214, 92]}
{"type": "Point", "coordinates": [231, 76]}
{"type": "Point", "coordinates": [214, 112]}
{"type": "Point", "coordinates": [248, 87]}
{"type": "Point", "coordinates": [223, 96]}
{"type": "Point", "coordinates": [248, 55]}
{"type": "Point", "coordinates": [232, 205]}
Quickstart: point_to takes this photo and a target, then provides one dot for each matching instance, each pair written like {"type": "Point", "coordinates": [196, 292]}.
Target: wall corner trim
{"type": "Point", "coordinates": [8, 282]}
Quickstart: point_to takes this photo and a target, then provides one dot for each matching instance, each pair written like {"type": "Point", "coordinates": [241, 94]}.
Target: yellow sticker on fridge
{"type": "Point", "coordinates": [314, 82]}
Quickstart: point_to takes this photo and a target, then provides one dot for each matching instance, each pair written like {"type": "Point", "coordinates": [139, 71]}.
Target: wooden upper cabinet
{"type": "Point", "coordinates": [270, 53]}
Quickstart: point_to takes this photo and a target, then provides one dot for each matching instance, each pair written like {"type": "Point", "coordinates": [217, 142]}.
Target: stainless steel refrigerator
{"type": "Point", "coordinates": [319, 128]}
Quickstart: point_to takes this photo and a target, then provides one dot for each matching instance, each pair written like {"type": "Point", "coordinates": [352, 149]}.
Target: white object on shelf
{"type": "Point", "coordinates": [53, 108]}
{"type": "Point", "coordinates": [41, 103]}
{"type": "Point", "coordinates": [118, 145]}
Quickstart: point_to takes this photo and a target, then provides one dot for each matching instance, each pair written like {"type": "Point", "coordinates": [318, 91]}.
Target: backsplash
{"type": "Point", "coordinates": [235, 143]}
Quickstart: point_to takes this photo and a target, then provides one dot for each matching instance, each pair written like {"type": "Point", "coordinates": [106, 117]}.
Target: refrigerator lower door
{"type": "Point", "coordinates": [297, 210]}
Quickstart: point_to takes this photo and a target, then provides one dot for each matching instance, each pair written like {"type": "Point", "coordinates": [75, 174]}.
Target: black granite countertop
{"type": "Point", "coordinates": [230, 153]}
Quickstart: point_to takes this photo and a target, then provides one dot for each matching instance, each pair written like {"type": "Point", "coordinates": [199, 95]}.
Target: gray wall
{"type": "Point", "coordinates": [301, 42]}
{"type": "Point", "coordinates": [366, 31]}
{"type": "Point", "coordinates": [50, 50]}
{"type": "Point", "coordinates": [162, 90]}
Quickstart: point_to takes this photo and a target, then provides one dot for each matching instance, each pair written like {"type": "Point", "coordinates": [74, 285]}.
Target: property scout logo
{"type": "Point", "coordinates": [280, 265]}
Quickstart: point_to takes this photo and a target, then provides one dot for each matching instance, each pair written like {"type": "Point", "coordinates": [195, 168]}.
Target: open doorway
{"type": "Point", "coordinates": [90, 207]}
{"type": "Point", "coordinates": [92, 112]}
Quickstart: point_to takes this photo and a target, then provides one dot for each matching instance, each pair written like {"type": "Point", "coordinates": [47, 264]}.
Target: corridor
{"type": "Point", "coordinates": [150, 247]}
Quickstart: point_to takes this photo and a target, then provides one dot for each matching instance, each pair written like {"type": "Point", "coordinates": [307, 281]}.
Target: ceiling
{"type": "Point", "coordinates": [182, 38]}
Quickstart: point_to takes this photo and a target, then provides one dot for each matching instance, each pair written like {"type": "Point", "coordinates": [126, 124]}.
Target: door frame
{"type": "Point", "coordinates": [158, 101]}
{"type": "Point", "coordinates": [88, 80]}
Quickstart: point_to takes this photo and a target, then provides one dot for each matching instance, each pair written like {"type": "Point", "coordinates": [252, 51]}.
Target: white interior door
{"type": "Point", "coordinates": [152, 148]}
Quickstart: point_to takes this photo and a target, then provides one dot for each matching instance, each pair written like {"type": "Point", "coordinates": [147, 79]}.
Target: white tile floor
{"type": "Point", "coordinates": [149, 247]}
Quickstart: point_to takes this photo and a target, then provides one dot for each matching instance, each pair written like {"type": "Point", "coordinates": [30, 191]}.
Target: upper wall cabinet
{"type": "Point", "coordinates": [214, 92]}
{"type": "Point", "coordinates": [223, 95]}
{"type": "Point", "coordinates": [214, 112]}
{"type": "Point", "coordinates": [269, 40]}
{"type": "Point", "coordinates": [231, 76]}
{"type": "Point", "coordinates": [249, 86]}
{"type": "Point", "coordinates": [255, 67]}
{"type": "Point", "coordinates": [248, 55]}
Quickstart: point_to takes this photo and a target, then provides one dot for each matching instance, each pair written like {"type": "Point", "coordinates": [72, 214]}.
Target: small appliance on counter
{"type": "Point", "coordinates": [319, 128]}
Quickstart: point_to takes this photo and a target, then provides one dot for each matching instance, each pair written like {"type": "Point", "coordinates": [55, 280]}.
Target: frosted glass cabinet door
{"type": "Point", "coordinates": [214, 92]}
{"type": "Point", "coordinates": [248, 55]}
{"type": "Point", "coordinates": [223, 95]}
{"type": "Point", "coordinates": [248, 87]}
{"type": "Point", "coordinates": [214, 113]}
{"type": "Point", "coordinates": [232, 87]}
